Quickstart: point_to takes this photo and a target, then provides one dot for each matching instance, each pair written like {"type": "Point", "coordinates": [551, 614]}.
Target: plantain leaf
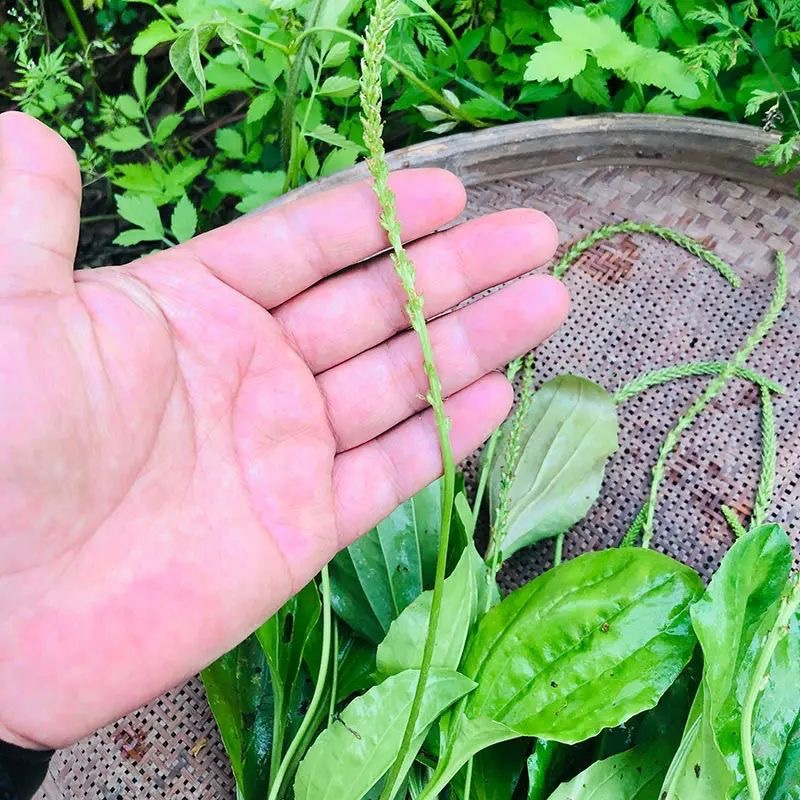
{"type": "Point", "coordinates": [568, 434]}
{"type": "Point", "coordinates": [381, 573]}
{"type": "Point", "coordinates": [786, 783]}
{"type": "Point", "coordinates": [403, 646]}
{"type": "Point", "coordinates": [496, 772]}
{"type": "Point", "coordinates": [354, 753]}
{"type": "Point", "coordinates": [239, 692]}
{"type": "Point", "coordinates": [633, 775]}
{"type": "Point", "coordinates": [584, 646]}
{"type": "Point", "coordinates": [732, 621]}
{"type": "Point", "coordinates": [543, 762]}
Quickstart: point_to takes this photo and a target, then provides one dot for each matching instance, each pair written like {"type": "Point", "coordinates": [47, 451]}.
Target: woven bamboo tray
{"type": "Point", "coordinates": [638, 303]}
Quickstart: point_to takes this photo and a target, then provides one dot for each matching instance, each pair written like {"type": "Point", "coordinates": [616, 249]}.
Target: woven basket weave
{"type": "Point", "coordinates": [638, 303]}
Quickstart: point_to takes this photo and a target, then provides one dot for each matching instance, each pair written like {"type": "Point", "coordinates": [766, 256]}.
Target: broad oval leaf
{"type": "Point", "coordinates": [381, 573]}
{"type": "Point", "coordinates": [404, 644]}
{"type": "Point", "coordinates": [633, 775]}
{"type": "Point", "coordinates": [584, 646]}
{"type": "Point", "coordinates": [354, 753]}
{"type": "Point", "coordinates": [786, 782]}
{"type": "Point", "coordinates": [184, 56]}
{"type": "Point", "coordinates": [731, 621]}
{"type": "Point", "coordinates": [568, 434]}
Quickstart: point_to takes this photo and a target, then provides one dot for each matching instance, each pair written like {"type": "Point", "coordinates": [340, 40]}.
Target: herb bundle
{"type": "Point", "coordinates": [403, 674]}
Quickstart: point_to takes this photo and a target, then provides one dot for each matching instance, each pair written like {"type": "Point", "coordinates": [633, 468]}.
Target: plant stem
{"type": "Point", "coordinates": [335, 676]}
{"type": "Point", "coordinates": [468, 780]}
{"type": "Point", "coordinates": [74, 20]}
{"type": "Point", "coordinates": [380, 25]}
{"type": "Point", "coordinates": [776, 81]}
{"type": "Point", "coordinates": [789, 604]}
{"type": "Point", "coordinates": [713, 389]}
{"type": "Point", "coordinates": [263, 39]}
{"type": "Point", "coordinates": [559, 550]}
{"type": "Point", "coordinates": [486, 468]}
{"type": "Point", "coordinates": [319, 688]}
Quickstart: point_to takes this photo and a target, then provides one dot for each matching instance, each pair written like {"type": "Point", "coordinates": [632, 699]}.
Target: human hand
{"type": "Point", "coordinates": [185, 440]}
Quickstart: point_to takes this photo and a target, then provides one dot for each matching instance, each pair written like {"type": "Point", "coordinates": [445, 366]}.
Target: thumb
{"type": "Point", "coordinates": [40, 199]}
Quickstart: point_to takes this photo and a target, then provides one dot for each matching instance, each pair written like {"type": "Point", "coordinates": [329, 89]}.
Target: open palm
{"type": "Point", "coordinates": [185, 440]}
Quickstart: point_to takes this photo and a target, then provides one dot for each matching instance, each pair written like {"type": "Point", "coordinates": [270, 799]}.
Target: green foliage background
{"type": "Point", "coordinates": [185, 114]}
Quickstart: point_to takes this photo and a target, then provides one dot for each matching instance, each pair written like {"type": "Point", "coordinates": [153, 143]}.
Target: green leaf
{"type": "Point", "coordinates": [140, 80]}
{"type": "Point", "coordinates": [539, 93]}
{"type": "Point", "coordinates": [337, 55]}
{"type": "Point", "coordinates": [731, 621]}
{"type": "Point", "coordinates": [546, 756]}
{"type": "Point", "coordinates": [352, 755]}
{"type": "Point", "coordinates": [260, 107]}
{"type": "Point", "coordinates": [567, 436]}
{"type": "Point", "coordinates": [284, 639]}
{"type": "Point", "coordinates": [325, 133]}
{"type": "Point", "coordinates": [128, 106]}
{"type": "Point", "coordinates": [338, 160]}
{"type": "Point", "coordinates": [610, 624]}
{"type": "Point", "coordinates": [497, 41]}
{"type": "Point", "coordinates": [402, 648]}
{"type": "Point", "coordinates": [786, 783]}
{"type": "Point", "coordinates": [757, 99]}
{"type": "Point", "coordinates": [240, 695]}
{"type": "Point", "coordinates": [166, 127]}
{"type": "Point", "coordinates": [633, 775]}
{"type": "Point", "coordinates": [338, 86]}
{"type": "Point", "coordinates": [184, 56]}
{"type": "Point", "coordinates": [140, 210]}
{"type": "Point", "coordinates": [663, 70]}
{"type": "Point", "coordinates": [555, 61]}
{"type": "Point", "coordinates": [496, 772]}
{"type": "Point", "coordinates": [157, 32]}
{"type": "Point", "coordinates": [135, 236]}
{"type": "Point", "coordinates": [184, 220]}
{"type": "Point", "coordinates": [381, 573]}
{"type": "Point", "coordinates": [227, 76]}
{"type": "Point", "coordinates": [230, 142]}
{"type": "Point", "coordinates": [260, 187]}
{"type": "Point", "coordinates": [122, 140]}
{"type": "Point", "coordinates": [592, 85]}
{"type": "Point", "coordinates": [574, 26]}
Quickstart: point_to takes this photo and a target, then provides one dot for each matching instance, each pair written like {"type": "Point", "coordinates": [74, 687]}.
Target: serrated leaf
{"type": "Point", "coordinates": [122, 140]}
{"type": "Point", "coordinates": [142, 211]}
{"type": "Point", "coordinates": [338, 86]}
{"type": "Point", "coordinates": [230, 36]}
{"type": "Point", "coordinates": [567, 435]}
{"type": "Point", "coordinates": [325, 133]}
{"type": "Point", "coordinates": [183, 221]}
{"type": "Point", "coordinates": [338, 160]}
{"type": "Point", "coordinates": [337, 54]}
{"type": "Point", "coordinates": [555, 61]}
{"type": "Point", "coordinates": [261, 188]}
{"type": "Point", "coordinates": [538, 93]}
{"type": "Point", "coordinates": [157, 32]}
{"type": "Point", "coordinates": [135, 236]}
{"type": "Point", "coordinates": [592, 85]}
{"type": "Point", "coordinates": [166, 127]}
{"type": "Point", "coordinates": [452, 98]}
{"type": "Point", "coordinates": [443, 127]}
{"type": "Point", "coordinates": [184, 56]}
{"type": "Point", "coordinates": [757, 99]}
{"type": "Point", "coordinates": [311, 163]}
{"type": "Point", "coordinates": [352, 755]}
{"type": "Point", "coordinates": [140, 80]}
{"type": "Point", "coordinates": [230, 142]}
{"type": "Point", "coordinates": [260, 107]}
{"type": "Point", "coordinates": [659, 69]}
{"type": "Point", "coordinates": [128, 106]}
{"type": "Point", "coordinates": [433, 114]}
{"type": "Point", "coordinates": [575, 27]}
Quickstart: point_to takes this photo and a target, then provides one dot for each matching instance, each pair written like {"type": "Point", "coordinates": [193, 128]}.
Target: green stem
{"type": "Point", "coordinates": [713, 389]}
{"type": "Point", "coordinates": [486, 468]}
{"type": "Point", "coordinates": [558, 554]}
{"type": "Point", "coordinates": [789, 605]}
{"type": "Point", "coordinates": [468, 780]}
{"type": "Point", "coordinates": [441, 22]}
{"type": "Point", "coordinates": [778, 85]}
{"type": "Point", "coordinates": [335, 677]}
{"type": "Point", "coordinates": [380, 25]}
{"type": "Point", "coordinates": [263, 39]}
{"type": "Point", "coordinates": [77, 26]}
{"type": "Point", "coordinates": [319, 688]}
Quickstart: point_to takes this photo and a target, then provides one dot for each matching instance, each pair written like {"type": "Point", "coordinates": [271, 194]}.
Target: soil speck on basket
{"type": "Point", "coordinates": [131, 744]}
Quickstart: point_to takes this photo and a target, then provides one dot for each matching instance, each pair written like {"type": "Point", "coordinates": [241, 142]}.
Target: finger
{"type": "Point", "coordinates": [349, 313]}
{"type": "Point", "coordinates": [273, 255]}
{"type": "Point", "coordinates": [372, 480]}
{"type": "Point", "coordinates": [40, 200]}
{"type": "Point", "coordinates": [375, 391]}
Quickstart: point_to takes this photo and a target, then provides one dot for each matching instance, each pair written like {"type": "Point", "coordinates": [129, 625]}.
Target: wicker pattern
{"type": "Point", "coordinates": [639, 303]}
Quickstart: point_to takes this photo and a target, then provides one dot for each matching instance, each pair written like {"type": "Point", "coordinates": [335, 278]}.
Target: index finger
{"type": "Point", "coordinates": [273, 255]}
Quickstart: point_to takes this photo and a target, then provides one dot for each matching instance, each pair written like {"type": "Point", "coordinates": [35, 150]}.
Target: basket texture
{"type": "Point", "coordinates": [638, 303]}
